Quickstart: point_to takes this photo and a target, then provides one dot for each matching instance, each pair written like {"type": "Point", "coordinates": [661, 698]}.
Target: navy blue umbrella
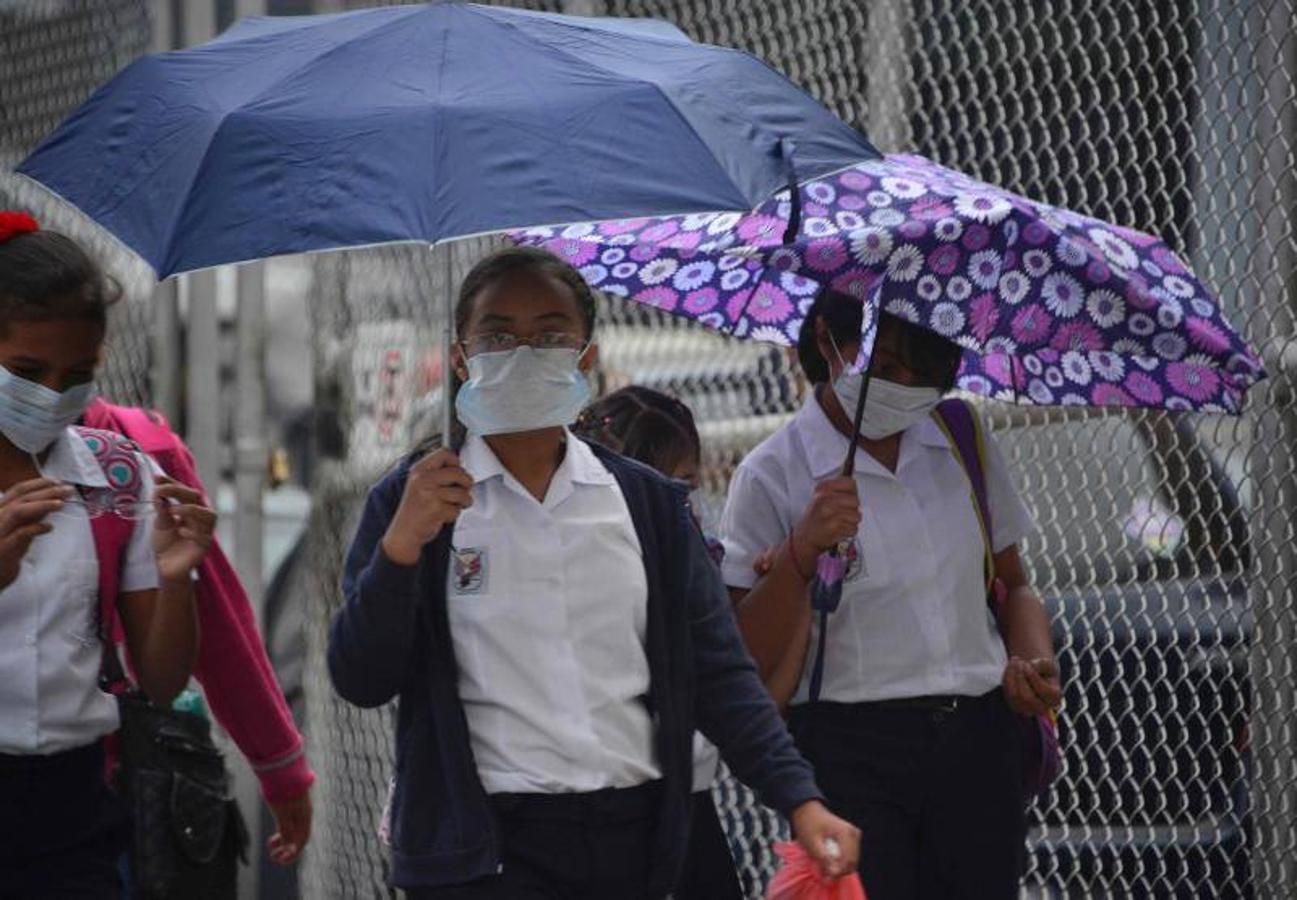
{"type": "Point", "coordinates": [426, 123]}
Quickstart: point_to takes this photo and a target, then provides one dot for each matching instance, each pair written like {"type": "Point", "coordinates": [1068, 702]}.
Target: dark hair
{"type": "Point", "coordinates": [501, 263]}
{"type": "Point", "coordinates": [843, 316]}
{"type": "Point", "coordinates": [45, 275]}
{"type": "Point", "coordinates": [644, 424]}
{"type": "Point", "coordinates": [924, 352]}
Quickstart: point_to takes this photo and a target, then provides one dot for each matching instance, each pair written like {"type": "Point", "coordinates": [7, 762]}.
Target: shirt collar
{"type": "Point", "coordinates": [585, 466]}
{"type": "Point", "coordinates": [579, 465]}
{"type": "Point", "coordinates": [825, 447]}
{"type": "Point", "coordinates": [71, 460]}
{"type": "Point", "coordinates": [477, 457]}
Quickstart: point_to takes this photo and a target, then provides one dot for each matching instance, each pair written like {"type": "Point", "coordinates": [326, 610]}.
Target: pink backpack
{"type": "Point", "coordinates": [232, 665]}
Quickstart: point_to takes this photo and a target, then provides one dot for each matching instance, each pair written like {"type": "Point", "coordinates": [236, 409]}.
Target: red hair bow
{"type": "Point", "coordinates": [12, 223]}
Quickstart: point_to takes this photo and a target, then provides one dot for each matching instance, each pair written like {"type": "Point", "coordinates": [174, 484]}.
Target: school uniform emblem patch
{"type": "Point", "coordinates": [469, 570]}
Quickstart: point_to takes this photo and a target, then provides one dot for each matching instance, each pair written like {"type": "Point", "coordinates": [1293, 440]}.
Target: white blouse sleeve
{"type": "Point", "coordinates": [1010, 519]}
{"type": "Point", "coordinates": [753, 522]}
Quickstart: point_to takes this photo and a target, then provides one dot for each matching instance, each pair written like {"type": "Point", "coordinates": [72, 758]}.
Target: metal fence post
{"type": "Point", "coordinates": [1265, 250]}
{"type": "Point", "coordinates": [250, 449]}
{"type": "Point", "coordinates": [203, 431]}
{"type": "Point", "coordinates": [165, 372]}
{"type": "Point", "coordinates": [884, 44]}
{"type": "Point", "coordinates": [250, 446]}
{"type": "Point", "coordinates": [202, 383]}
{"type": "Point", "coordinates": [1274, 649]}
{"type": "Point", "coordinates": [249, 482]}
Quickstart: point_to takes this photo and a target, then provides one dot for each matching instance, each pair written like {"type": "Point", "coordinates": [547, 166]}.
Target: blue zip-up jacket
{"type": "Point", "coordinates": [391, 639]}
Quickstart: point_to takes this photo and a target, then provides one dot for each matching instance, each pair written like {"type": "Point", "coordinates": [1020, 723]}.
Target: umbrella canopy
{"type": "Point", "coordinates": [425, 123]}
{"type": "Point", "coordinates": [1051, 307]}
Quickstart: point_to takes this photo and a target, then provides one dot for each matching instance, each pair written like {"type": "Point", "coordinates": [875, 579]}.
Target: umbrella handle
{"type": "Point", "coordinates": [826, 587]}
{"type": "Point", "coordinates": [830, 568]}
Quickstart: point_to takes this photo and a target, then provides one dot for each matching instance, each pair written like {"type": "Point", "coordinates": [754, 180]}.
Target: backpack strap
{"type": "Point", "coordinates": [120, 462]}
{"type": "Point", "coordinates": [963, 430]}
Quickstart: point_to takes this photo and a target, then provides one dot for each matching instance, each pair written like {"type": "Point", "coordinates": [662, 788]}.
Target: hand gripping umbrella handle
{"type": "Point", "coordinates": [831, 568]}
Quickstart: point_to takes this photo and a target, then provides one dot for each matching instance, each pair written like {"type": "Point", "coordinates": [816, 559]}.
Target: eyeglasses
{"type": "Point", "coordinates": [503, 342]}
{"type": "Point", "coordinates": [93, 508]}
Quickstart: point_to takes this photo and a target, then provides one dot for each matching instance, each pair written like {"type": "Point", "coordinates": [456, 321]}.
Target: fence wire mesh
{"type": "Point", "coordinates": [1165, 544]}
{"type": "Point", "coordinates": [52, 55]}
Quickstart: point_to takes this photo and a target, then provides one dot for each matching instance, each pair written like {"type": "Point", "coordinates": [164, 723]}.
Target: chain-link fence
{"type": "Point", "coordinates": [52, 55]}
{"type": "Point", "coordinates": [1165, 544]}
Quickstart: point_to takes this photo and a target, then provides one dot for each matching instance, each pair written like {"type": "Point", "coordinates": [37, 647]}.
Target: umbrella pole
{"type": "Point", "coordinates": [447, 347]}
{"type": "Point", "coordinates": [826, 580]}
{"type": "Point", "coordinates": [849, 465]}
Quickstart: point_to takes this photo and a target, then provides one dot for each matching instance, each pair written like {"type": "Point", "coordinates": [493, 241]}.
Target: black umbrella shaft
{"type": "Point", "coordinates": [849, 465]}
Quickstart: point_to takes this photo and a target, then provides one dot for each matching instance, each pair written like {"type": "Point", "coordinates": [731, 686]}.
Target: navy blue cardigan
{"type": "Point", "coordinates": [391, 639]}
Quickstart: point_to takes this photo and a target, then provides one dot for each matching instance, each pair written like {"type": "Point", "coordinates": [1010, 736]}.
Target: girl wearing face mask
{"type": "Point", "coordinates": [659, 431]}
{"type": "Point", "coordinates": [61, 828]}
{"type": "Point", "coordinates": [914, 734]}
{"type": "Point", "coordinates": [549, 619]}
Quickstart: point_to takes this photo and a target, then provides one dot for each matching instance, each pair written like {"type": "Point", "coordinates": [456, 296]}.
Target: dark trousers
{"type": "Point", "coordinates": [936, 792]}
{"type": "Point", "coordinates": [61, 829]}
{"type": "Point", "coordinates": [591, 846]}
{"type": "Point", "coordinates": [709, 872]}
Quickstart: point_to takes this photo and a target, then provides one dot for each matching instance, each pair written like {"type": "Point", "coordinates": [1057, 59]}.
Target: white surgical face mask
{"type": "Point", "coordinates": [890, 408]}
{"type": "Point", "coordinates": [32, 416]}
{"type": "Point", "coordinates": [523, 389]}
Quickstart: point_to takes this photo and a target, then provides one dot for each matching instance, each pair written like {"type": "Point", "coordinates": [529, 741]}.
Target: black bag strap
{"type": "Point", "coordinates": [112, 676]}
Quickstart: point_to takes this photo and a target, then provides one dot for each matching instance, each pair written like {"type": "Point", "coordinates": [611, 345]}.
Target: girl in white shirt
{"type": "Point", "coordinates": [916, 733]}
{"type": "Point", "coordinates": [61, 828]}
{"type": "Point", "coordinates": [549, 621]}
{"type": "Point", "coordinates": [659, 431]}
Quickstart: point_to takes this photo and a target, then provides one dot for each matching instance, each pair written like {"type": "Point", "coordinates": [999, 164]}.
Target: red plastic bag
{"type": "Point", "coordinates": [799, 878]}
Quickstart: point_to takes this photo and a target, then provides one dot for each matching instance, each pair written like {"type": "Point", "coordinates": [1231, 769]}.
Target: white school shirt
{"type": "Point", "coordinates": [548, 608]}
{"type": "Point", "coordinates": [49, 642]}
{"type": "Point", "coordinates": [913, 620]}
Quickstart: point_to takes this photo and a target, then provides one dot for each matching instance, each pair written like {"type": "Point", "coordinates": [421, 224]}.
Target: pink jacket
{"type": "Point", "coordinates": [232, 666]}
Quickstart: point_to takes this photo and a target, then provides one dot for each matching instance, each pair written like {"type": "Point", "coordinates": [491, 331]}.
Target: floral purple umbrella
{"type": "Point", "coordinates": [1051, 307]}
